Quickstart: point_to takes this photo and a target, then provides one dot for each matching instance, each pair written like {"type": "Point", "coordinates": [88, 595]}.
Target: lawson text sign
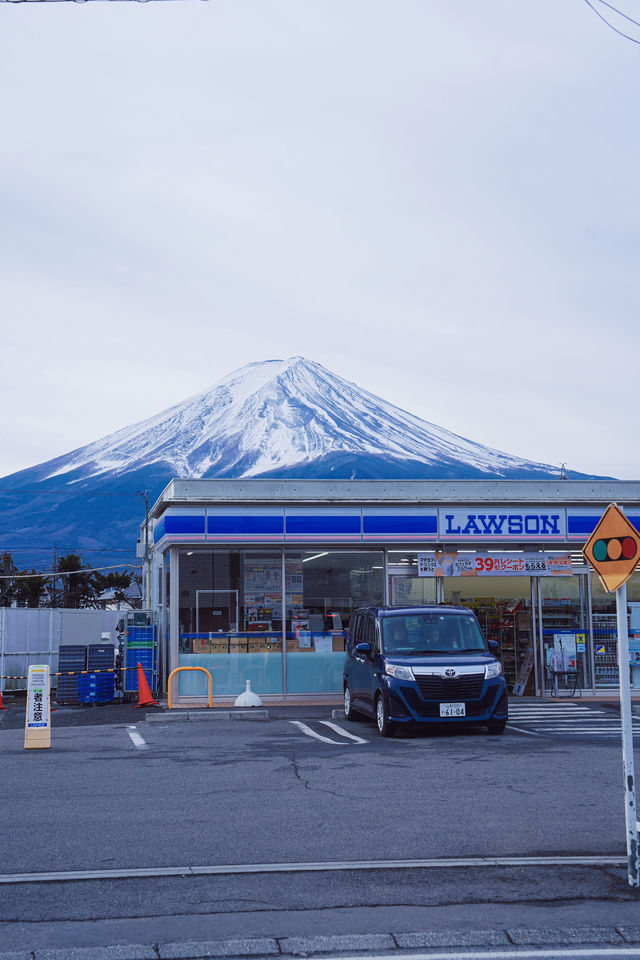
{"type": "Point", "coordinates": [496, 524]}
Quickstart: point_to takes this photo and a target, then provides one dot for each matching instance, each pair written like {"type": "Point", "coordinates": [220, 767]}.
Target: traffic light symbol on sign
{"type": "Point", "coordinates": [614, 548]}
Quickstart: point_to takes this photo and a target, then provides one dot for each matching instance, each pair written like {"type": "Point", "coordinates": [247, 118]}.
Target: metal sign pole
{"type": "Point", "coordinates": [627, 736]}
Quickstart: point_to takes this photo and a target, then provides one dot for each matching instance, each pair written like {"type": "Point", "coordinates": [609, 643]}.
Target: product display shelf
{"type": "Point", "coordinates": [508, 622]}
{"type": "Point", "coordinates": [514, 638]}
{"type": "Point", "coordinates": [605, 641]}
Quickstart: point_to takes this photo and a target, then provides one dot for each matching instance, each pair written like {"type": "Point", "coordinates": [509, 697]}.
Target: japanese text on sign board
{"type": "Point", "coordinates": [38, 694]}
{"type": "Point", "coordinates": [491, 565]}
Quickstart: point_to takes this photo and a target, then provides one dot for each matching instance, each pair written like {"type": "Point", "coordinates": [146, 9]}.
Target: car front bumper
{"type": "Point", "coordinates": [407, 705]}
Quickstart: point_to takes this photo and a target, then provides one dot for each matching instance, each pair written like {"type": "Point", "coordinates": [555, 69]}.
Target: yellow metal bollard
{"type": "Point", "coordinates": [177, 670]}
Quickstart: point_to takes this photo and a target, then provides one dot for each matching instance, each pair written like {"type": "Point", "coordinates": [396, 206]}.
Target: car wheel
{"type": "Point", "coordinates": [385, 726]}
{"type": "Point", "coordinates": [349, 712]}
{"type": "Point", "coordinates": [497, 728]}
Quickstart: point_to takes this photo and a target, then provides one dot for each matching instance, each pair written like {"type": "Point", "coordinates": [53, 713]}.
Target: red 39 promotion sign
{"type": "Point", "coordinates": [529, 564]}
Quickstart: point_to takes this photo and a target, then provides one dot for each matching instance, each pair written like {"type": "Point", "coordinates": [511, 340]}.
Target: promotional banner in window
{"type": "Point", "coordinates": [453, 564]}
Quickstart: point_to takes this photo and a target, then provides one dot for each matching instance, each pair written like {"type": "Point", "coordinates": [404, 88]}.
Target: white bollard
{"type": "Point", "coordinates": [248, 698]}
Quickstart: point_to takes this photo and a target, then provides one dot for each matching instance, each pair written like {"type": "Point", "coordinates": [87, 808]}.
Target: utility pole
{"type": "Point", "coordinates": [146, 564]}
{"type": "Point", "coordinates": [613, 550]}
{"type": "Point", "coordinates": [54, 598]}
{"type": "Point", "coordinates": [147, 579]}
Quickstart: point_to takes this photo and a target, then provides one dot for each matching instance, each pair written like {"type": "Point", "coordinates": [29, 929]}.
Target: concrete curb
{"type": "Point", "coordinates": [174, 716]}
{"type": "Point", "coordinates": [398, 944]}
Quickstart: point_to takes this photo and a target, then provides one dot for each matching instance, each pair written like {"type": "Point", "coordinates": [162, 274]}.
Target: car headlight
{"type": "Point", "coordinates": [492, 670]}
{"type": "Point", "coordinates": [400, 673]}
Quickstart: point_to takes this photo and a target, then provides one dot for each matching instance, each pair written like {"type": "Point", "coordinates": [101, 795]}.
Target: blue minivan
{"type": "Point", "coordinates": [414, 665]}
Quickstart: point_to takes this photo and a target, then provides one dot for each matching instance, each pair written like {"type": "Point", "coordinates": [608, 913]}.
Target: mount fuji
{"type": "Point", "coordinates": [278, 419]}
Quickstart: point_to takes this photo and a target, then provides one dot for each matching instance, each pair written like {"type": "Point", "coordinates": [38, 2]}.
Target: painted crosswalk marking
{"type": "Point", "coordinates": [591, 729]}
{"type": "Point", "coordinates": [566, 720]}
{"type": "Point", "coordinates": [560, 710]}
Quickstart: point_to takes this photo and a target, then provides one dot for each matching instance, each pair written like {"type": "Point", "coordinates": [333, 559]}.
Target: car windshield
{"type": "Point", "coordinates": [431, 633]}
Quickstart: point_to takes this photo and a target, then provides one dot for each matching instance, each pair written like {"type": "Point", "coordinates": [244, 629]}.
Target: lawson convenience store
{"type": "Point", "coordinates": [256, 579]}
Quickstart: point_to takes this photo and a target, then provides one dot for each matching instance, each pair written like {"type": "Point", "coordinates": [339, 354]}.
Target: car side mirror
{"type": "Point", "coordinates": [364, 648]}
{"type": "Point", "coordinates": [493, 644]}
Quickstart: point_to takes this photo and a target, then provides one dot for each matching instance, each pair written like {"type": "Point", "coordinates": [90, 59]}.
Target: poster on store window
{"type": "Point", "coordinates": [563, 654]}
{"type": "Point", "coordinates": [400, 591]}
{"type": "Point", "coordinates": [323, 643]}
{"type": "Point", "coordinates": [530, 564]}
{"type": "Point", "coordinates": [301, 630]}
{"type": "Point", "coordinates": [263, 582]}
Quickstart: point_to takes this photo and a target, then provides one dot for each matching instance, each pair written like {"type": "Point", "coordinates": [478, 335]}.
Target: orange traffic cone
{"type": "Point", "coordinates": [144, 694]}
{"type": "Point", "coordinates": [2, 706]}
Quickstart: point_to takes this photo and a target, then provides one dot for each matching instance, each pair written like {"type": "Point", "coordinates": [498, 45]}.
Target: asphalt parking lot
{"type": "Point", "coordinates": [123, 790]}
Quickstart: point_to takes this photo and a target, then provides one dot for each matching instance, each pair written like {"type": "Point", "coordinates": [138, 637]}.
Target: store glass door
{"type": "Point", "coordinates": [565, 634]}
{"type": "Point", "coordinates": [503, 606]}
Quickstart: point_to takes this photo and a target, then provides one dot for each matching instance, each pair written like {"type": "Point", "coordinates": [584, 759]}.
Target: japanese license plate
{"type": "Point", "coordinates": [452, 710]}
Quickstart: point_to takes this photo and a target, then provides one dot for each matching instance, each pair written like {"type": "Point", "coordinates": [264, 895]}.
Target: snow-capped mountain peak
{"type": "Point", "coordinates": [282, 417]}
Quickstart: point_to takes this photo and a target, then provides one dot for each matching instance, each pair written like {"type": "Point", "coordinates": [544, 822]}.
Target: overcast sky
{"type": "Point", "coordinates": [437, 199]}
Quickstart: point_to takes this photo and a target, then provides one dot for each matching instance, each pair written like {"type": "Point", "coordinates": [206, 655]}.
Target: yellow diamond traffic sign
{"type": "Point", "coordinates": [613, 549]}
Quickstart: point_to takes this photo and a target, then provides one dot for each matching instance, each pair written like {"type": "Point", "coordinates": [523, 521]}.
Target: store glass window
{"type": "Point", "coordinates": [167, 593]}
{"type": "Point", "coordinates": [231, 620]}
{"type": "Point", "coordinates": [322, 588]}
{"type": "Point", "coordinates": [406, 588]}
{"type": "Point", "coordinates": [605, 632]}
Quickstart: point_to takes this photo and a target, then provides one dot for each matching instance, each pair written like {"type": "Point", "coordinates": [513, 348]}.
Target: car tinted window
{"type": "Point", "coordinates": [376, 635]}
{"type": "Point", "coordinates": [368, 633]}
{"type": "Point", "coordinates": [424, 633]}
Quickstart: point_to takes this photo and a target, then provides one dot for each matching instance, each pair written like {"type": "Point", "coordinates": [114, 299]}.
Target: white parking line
{"type": "Point", "coordinates": [343, 733]}
{"type": "Point", "coordinates": [138, 741]}
{"type": "Point", "coordinates": [311, 733]}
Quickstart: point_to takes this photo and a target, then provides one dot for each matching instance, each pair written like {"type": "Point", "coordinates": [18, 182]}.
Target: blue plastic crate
{"type": "Point", "coordinates": [93, 688]}
{"type": "Point", "coordinates": [100, 656]}
{"type": "Point", "coordinates": [140, 647]}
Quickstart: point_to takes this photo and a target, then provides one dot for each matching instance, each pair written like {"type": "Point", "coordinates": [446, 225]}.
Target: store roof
{"type": "Point", "coordinates": [196, 492]}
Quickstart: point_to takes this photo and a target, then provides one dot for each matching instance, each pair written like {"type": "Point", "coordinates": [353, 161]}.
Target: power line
{"type": "Point", "coordinates": [57, 1]}
{"type": "Point", "coordinates": [73, 549]}
{"type": "Point", "coordinates": [615, 9]}
{"type": "Point", "coordinates": [67, 573]}
{"type": "Point", "coordinates": [67, 493]}
{"type": "Point", "coordinates": [620, 33]}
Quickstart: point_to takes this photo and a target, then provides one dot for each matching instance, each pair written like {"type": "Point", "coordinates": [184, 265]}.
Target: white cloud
{"type": "Point", "coordinates": [438, 201]}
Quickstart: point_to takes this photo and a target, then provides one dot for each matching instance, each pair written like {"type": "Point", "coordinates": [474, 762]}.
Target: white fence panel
{"type": "Point", "coordinates": [34, 636]}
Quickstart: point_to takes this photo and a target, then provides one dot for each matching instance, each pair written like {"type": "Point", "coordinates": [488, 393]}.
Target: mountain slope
{"type": "Point", "coordinates": [290, 418]}
{"type": "Point", "coordinates": [277, 416]}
